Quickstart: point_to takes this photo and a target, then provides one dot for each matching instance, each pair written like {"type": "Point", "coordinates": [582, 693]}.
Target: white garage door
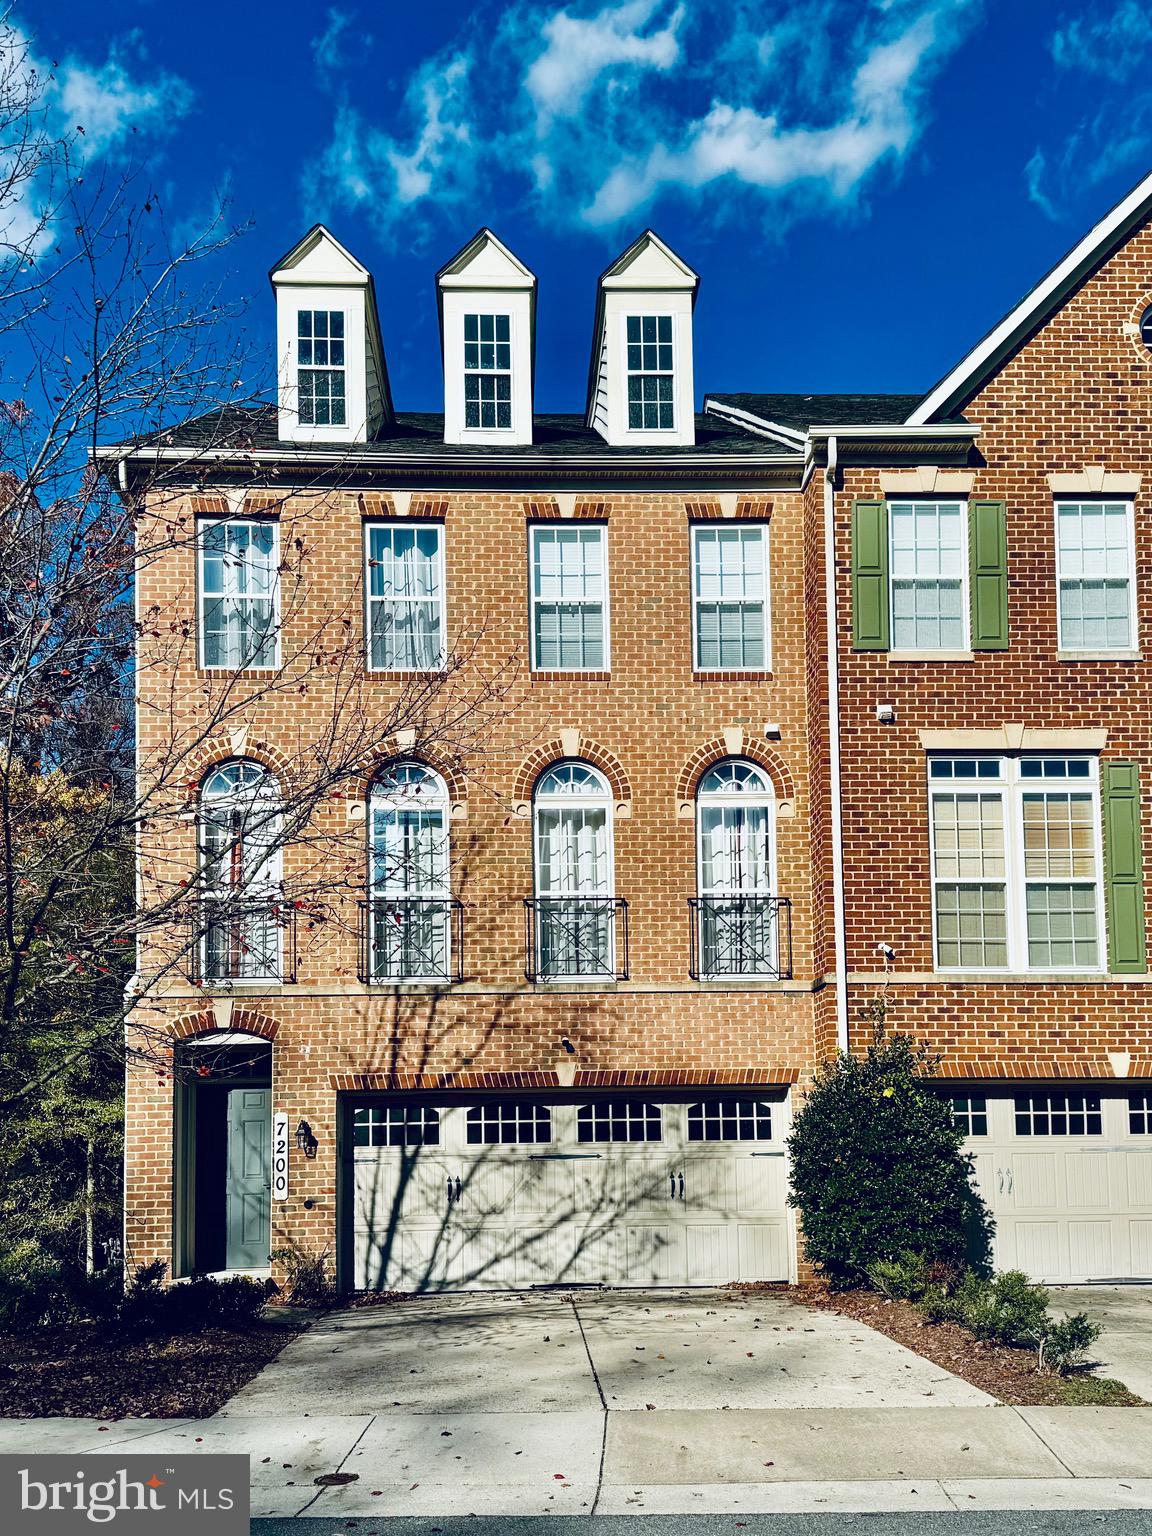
{"type": "Point", "coordinates": [1068, 1176]}
{"type": "Point", "coordinates": [615, 1191]}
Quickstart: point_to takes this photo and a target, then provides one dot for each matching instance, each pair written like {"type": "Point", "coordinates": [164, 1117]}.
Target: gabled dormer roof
{"type": "Point", "coordinates": [648, 265]}
{"type": "Point", "coordinates": [319, 260]}
{"type": "Point", "coordinates": [958, 386]}
{"type": "Point", "coordinates": [486, 262]}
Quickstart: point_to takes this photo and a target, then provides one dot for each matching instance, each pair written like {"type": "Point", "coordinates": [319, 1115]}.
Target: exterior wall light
{"type": "Point", "coordinates": [305, 1141]}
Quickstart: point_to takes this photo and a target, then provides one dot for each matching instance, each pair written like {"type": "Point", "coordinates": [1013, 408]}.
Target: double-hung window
{"type": "Point", "coordinates": [320, 367]}
{"type": "Point", "coordinates": [1095, 583]}
{"type": "Point", "coordinates": [569, 598]}
{"type": "Point", "coordinates": [405, 596]}
{"type": "Point", "coordinates": [239, 594]}
{"type": "Point", "coordinates": [1016, 863]}
{"type": "Point", "coordinates": [487, 371]}
{"type": "Point", "coordinates": [650, 373]}
{"type": "Point", "coordinates": [730, 597]}
{"type": "Point", "coordinates": [929, 561]}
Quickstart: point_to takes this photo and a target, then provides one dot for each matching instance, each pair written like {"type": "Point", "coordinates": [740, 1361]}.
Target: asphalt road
{"type": "Point", "coordinates": [1078, 1522]}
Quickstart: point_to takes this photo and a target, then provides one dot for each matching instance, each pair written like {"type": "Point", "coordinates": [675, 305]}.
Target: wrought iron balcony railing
{"type": "Point", "coordinates": [243, 939]}
{"type": "Point", "coordinates": [406, 938]}
{"type": "Point", "coordinates": [576, 938]}
{"type": "Point", "coordinates": [740, 936]}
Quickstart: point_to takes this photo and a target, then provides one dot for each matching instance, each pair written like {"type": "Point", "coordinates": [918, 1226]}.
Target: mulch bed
{"type": "Point", "coordinates": [1006, 1373]}
{"type": "Point", "coordinates": [86, 1371]}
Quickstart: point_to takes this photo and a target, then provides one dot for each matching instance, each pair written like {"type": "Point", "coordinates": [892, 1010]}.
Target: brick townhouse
{"type": "Point", "coordinates": [821, 701]}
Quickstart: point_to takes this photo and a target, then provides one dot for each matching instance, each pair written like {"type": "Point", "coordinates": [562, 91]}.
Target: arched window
{"type": "Point", "coordinates": [574, 906]}
{"type": "Point", "coordinates": [240, 826]}
{"type": "Point", "coordinates": [409, 898]}
{"type": "Point", "coordinates": [735, 871]}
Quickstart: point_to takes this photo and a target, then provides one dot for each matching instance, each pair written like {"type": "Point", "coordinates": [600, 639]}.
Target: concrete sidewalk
{"type": "Point", "coordinates": [1125, 1312]}
{"type": "Point", "coordinates": [707, 1460]}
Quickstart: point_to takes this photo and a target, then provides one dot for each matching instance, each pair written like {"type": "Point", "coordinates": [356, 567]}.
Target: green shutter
{"type": "Point", "coordinates": [1123, 869]}
{"type": "Point", "coordinates": [870, 576]}
{"type": "Point", "coordinates": [988, 562]}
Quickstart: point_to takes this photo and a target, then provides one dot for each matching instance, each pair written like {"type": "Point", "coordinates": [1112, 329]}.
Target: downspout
{"type": "Point", "coordinates": [832, 641]}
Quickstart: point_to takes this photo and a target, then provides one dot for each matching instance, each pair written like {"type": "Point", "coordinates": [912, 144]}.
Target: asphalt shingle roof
{"type": "Point", "coordinates": [801, 411]}
{"type": "Point", "coordinates": [422, 433]}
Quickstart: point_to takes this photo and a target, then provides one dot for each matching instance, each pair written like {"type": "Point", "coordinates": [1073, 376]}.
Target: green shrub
{"type": "Point", "coordinates": [901, 1279]}
{"type": "Point", "coordinates": [29, 1285]}
{"type": "Point", "coordinates": [878, 1169]}
{"type": "Point", "coordinates": [309, 1283]}
{"type": "Point", "coordinates": [151, 1307]}
{"type": "Point", "coordinates": [1065, 1345]}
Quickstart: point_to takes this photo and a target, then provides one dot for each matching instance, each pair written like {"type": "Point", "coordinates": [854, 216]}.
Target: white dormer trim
{"type": "Point", "coordinates": [485, 279]}
{"type": "Point", "coordinates": [319, 273]}
{"type": "Point", "coordinates": [648, 281]}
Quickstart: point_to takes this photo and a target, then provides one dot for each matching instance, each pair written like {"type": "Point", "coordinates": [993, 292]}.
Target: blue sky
{"type": "Point", "coordinates": [863, 185]}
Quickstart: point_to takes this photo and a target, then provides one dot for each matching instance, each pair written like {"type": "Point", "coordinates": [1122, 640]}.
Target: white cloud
{"type": "Point", "coordinates": [579, 50]}
{"type": "Point", "coordinates": [1113, 43]}
{"type": "Point", "coordinates": [95, 109]}
{"type": "Point", "coordinates": [332, 48]}
{"type": "Point", "coordinates": [104, 104]}
{"type": "Point", "coordinates": [593, 112]}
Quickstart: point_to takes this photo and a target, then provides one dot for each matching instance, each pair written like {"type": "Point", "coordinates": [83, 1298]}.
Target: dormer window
{"type": "Point", "coordinates": [640, 390]}
{"type": "Point", "coordinates": [331, 378]}
{"type": "Point", "coordinates": [320, 367]}
{"type": "Point", "coordinates": [650, 394]}
{"type": "Point", "coordinates": [488, 372]}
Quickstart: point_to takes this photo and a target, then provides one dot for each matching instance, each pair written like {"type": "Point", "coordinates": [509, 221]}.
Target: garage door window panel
{"type": "Point", "coordinates": [1140, 1114]}
{"type": "Point", "coordinates": [396, 1125]}
{"type": "Point", "coordinates": [509, 1125]}
{"type": "Point", "coordinates": [730, 1120]}
{"type": "Point", "coordinates": [622, 1120]}
{"type": "Point", "coordinates": [1059, 1114]}
{"type": "Point", "coordinates": [1016, 863]}
{"type": "Point", "coordinates": [971, 1115]}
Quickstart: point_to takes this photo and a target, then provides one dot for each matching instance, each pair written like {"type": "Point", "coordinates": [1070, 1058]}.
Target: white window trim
{"type": "Point", "coordinates": [476, 433]}
{"type": "Point", "coordinates": [949, 652]}
{"type": "Point", "coordinates": [533, 600]}
{"type": "Point", "coordinates": [561, 801]}
{"type": "Point", "coordinates": [369, 600]}
{"type": "Point", "coordinates": [1129, 648]}
{"type": "Point", "coordinates": [1011, 787]}
{"type": "Point", "coordinates": [628, 373]}
{"type": "Point", "coordinates": [328, 432]}
{"type": "Point", "coordinates": [202, 525]}
{"type": "Point", "coordinates": [766, 535]}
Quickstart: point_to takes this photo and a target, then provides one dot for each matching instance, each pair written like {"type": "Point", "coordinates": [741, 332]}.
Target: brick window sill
{"type": "Point", "coordinates": [1099, 656]}
{"type": "Point", "coordinates": [762, 676]}
{"type": "Point", "coordinates": [921, 656]}
{"type": "Point", "coordinates": [575, 675]}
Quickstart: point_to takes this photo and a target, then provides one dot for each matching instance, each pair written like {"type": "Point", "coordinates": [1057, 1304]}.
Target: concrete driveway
{"type": "Point", "coordinates": [1125, 1347]}
{"type": "Point", "coordinates": [589, 1351]}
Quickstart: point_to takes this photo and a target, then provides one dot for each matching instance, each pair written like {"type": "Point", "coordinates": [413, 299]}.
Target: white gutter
{"type": "Point", "coordinates": [832, 640]}
{"type": "Point", "coordinates": [933, 430]}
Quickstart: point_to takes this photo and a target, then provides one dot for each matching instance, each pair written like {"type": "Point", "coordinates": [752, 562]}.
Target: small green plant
{"type": "Point", "coordinates": [309, 1283]}
{"type": "Point", "coordinates": [905, 1278]}
{"type": "Point", "coordinates": [189, 1306]}
{"type": "Point", "coordinates": [1064, 1346]}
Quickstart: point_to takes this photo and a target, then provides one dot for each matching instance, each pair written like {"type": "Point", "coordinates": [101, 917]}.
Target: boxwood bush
{"type": "Point", "coordinates": [878, 1170]}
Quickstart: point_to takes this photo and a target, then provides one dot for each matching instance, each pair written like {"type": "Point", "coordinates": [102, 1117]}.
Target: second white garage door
{"type": "Point", "coordinates": [1067, 1174]}
{"type": "Point", "coordinates": [614, 1191]}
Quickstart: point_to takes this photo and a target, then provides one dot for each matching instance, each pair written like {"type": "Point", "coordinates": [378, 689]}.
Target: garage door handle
{"type": "Point", "coordinates": [672, 1186]}
{"type": "Point", "coordinates": [1011, 1180]}
{"type": "Point", "coordinates": [681, 1186]}
{"type": "Point", "coordinates": [454, 1193]}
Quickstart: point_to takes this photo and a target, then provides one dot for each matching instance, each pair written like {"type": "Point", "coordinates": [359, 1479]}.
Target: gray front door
{"type": "Point", "coordinates": [249, 1132]}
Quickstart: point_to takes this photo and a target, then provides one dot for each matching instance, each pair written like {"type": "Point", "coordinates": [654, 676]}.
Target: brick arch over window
{"type": "Point", "coordinates": [244, 1020]}
{"type": "Point", "coordinates": [556, 751]}
{"type": "Point", "coordinates": [454, 779]}
{"type": "Point", "coordinates": [210, 754]}
{"type": "Point", "coordinates": [716, 750]}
